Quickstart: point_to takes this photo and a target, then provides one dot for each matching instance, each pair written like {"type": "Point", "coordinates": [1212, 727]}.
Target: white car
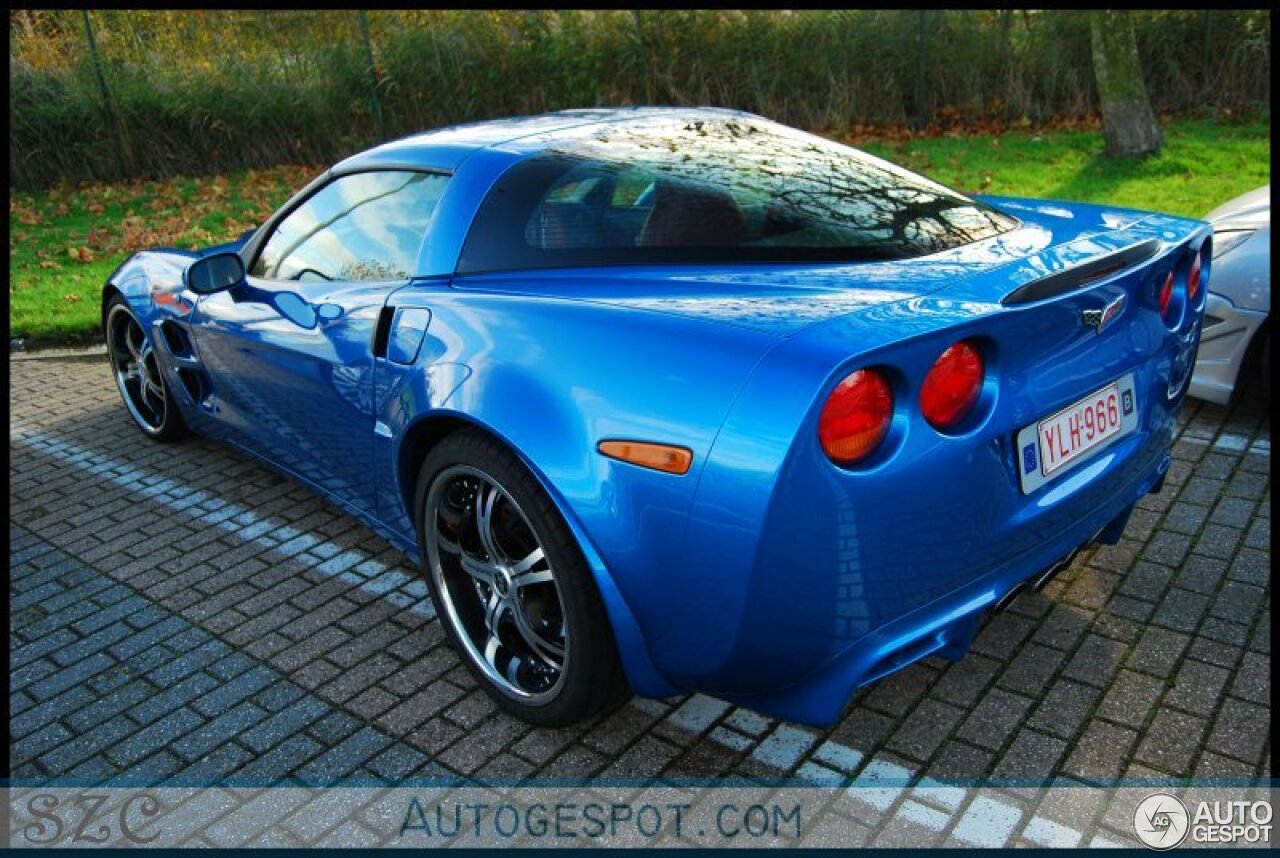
{"type": "Point", "coordinates": [1237, 336]}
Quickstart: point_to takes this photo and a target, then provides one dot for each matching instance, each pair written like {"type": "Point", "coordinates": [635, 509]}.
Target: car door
{"type": "Point", "coordinates": [289, 351]}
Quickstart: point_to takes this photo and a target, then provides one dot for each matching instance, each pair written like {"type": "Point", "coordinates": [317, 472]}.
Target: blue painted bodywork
{"type": "Point", "coordinates": [766, 575]}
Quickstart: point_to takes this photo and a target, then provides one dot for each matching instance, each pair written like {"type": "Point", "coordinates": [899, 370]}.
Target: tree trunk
{"type": "Point", "coordinates": [1127, 119]}
{"type": "Point", "coordinates": [1006, 61]}
{"type": "Point", "coordinates": [922, 72]}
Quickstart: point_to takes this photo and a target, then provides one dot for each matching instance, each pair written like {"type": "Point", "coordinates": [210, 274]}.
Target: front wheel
{"type": "Point", "coordinates": [509, 583]}
{"type": "Point", "coordinates": [139, 376]}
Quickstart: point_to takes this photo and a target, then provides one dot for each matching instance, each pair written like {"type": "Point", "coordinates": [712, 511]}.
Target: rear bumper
{"type": "Point", "coordinates": [845, 569]}
{"type": "Point", "coordinates": [802, 580]}
{"type": "Point", "coordinates": [947, 625]}
{"type": "Point", "coordinates": [851, 574]}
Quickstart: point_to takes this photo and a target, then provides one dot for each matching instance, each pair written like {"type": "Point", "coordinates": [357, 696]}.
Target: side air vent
{"type": "Point", "coordinates": [175, 339]}
{"type": "Point", "coordinates": [194, 382]}
{"type": "Point", "coordinates": [1082, 275]}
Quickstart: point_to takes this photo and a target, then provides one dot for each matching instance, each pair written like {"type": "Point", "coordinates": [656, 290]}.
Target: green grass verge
{"type": "Point", "coordinates": [65, 242]}
{"type": "Point", "coordinates": [1201, 165]}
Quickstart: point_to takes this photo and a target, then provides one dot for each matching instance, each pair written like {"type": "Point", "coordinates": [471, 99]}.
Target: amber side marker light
{"type": "Point", "coordinates": [660, 457]}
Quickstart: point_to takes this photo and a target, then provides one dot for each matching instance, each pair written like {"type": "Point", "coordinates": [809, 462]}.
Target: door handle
{"type": "Point", "coordinates": [400, 333]}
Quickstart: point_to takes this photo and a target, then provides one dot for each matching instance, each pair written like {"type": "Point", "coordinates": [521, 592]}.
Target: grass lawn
{"type": "Point", "coordinates": [1201, 165]}
{"type": "Point", "coordinates": [63, 243]}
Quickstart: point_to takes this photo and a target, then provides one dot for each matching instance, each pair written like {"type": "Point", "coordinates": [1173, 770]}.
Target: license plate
{"type": "Point", "coordinates": [1047, 448]}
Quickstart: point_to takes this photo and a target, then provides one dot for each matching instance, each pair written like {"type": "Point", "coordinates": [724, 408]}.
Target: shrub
{"type": "Point", "coordinates": [204, 92]}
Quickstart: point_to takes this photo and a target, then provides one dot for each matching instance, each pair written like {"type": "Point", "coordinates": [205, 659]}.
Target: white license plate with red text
{"type": "Point", "coordinates": [1047, 448]}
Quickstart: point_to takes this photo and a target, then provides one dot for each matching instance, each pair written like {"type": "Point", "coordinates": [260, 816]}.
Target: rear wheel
{"type": "Point", "coordinates": [139, 376]}
{"type": "Point", "coordinates": [509, 583]}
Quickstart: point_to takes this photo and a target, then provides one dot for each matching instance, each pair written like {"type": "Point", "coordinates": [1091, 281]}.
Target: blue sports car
{"type": "Point", "coordinates": [669, 400]}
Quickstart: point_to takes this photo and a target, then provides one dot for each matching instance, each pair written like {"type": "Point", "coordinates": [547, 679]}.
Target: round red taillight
{"type": "Point", "coordinates": [1193, 279]}
{"type": "Point", "coordinates": [856, 417]}
{"type": "Point", "coordinates": [1166, 293]}
{"type": "Point", "coordinates": [952, 386]}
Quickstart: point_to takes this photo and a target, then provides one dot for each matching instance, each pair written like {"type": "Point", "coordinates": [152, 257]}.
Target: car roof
{"type": "Point", "coordinates": [446, 148]}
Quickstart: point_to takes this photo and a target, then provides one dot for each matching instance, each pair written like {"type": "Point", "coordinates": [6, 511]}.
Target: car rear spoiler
{"type": "Point", "coordinates": [1083, 274]}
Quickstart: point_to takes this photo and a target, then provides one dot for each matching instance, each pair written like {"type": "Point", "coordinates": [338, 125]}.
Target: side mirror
{"type": "Point", "coordinates": [214, 273]}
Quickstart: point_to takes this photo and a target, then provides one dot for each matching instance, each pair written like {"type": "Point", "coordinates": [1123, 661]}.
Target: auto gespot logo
{"type": "Point", "coordinates": [1162, 821]}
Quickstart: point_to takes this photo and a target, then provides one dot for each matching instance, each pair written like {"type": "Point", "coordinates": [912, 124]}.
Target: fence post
{"type": "Point", "coordinates": [922, 72]}
{"type": "Point", "coordinates": [113, 121]}
{"type": "Point", "coordinates": [1206, 59]}
{"type": "Point", "coordinates": [644, 57]}
{"type": "Point", "coordinates": [375, 101]}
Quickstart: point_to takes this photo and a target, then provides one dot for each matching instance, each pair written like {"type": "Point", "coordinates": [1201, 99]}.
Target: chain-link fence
{"type": "Point", "coordinates": [120, 94]}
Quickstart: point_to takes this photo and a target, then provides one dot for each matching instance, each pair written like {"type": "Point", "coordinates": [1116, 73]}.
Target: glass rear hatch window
{"type": "Point", "coordinates": [714, 191]}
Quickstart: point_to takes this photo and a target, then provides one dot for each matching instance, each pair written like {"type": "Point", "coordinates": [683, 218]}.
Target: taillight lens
{"type": "Point", "coordinates": [856, 417]}
{"type": "Point", "coordinates": [1193, 278]}
{"type": "Point", "coordinates": [1166, 293]}
{"type": "Point", "coordinates": [952, 386]}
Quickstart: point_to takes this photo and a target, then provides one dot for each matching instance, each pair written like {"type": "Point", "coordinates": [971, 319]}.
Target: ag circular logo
{"type": "Point", "coordinates": [1161, 821]}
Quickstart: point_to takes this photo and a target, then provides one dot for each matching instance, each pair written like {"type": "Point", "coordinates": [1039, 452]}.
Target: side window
{"type": "Point", "coordinates": [366, 226]}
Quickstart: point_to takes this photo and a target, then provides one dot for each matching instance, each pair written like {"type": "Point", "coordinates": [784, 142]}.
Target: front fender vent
{"type": "Point", "coordinates": [175, 339]}
{"type": "Point", "coordinates": [195, 384]}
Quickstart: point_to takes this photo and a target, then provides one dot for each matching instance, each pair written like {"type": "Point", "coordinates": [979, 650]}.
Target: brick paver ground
{"type": "Point", "coordinates": [182, 610]}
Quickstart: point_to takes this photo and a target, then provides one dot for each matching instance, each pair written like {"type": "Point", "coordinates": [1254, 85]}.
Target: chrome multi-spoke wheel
{"type": "Point", "coordinates": [496, 583]}
{"type": "Point", "coordinates": [138, 374]}
{"type": "Point", "coordinates": [511, 585]}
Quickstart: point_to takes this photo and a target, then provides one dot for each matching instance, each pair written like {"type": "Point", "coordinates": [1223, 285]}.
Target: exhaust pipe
{"type": "Point", "coordinates": [1007, 598]}
{"type": "Point", "coordinates": [1048, 575]}
{"type": "Point", "coordinates": [1035, 584]}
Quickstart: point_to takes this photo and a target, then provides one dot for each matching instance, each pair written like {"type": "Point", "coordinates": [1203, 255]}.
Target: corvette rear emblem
{"type": "Point", "coordinates": [1099, 319]}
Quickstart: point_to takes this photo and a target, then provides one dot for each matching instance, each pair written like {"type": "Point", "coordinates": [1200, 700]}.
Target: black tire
{"type": "Point", "coordinates": [159, 424]}
{"type": "Point", "coordinates": [591, 679]}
